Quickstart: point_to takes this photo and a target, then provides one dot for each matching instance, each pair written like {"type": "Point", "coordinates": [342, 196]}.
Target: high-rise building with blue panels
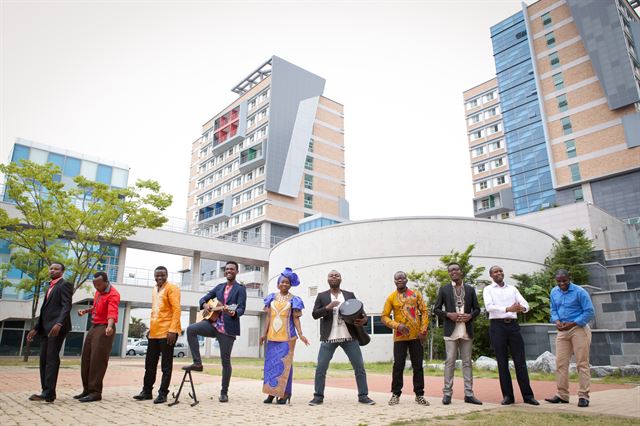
{"type": "Point", "coordinates": [568, 80]}
{"type": "Point", "coordinates": [531, 183]}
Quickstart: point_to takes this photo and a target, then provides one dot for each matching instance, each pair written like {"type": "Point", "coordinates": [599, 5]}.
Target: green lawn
{"type": "Point", "coordinates": [514, 417]}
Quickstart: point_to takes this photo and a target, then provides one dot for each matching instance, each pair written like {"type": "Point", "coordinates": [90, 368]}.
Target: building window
{"type": "Point", "coordinates": [575, 172]}
{"type": "Point", "coordinates": [570, 148]}
{"type": "Point", "coordinates": [563, 105]}
{"type": "Point", "coordinates": [551, 39]}
{"type": "Point", "coordinates": [478, 151]}
{"type": "Point", "coordinates": [558, 81]}
{"type": "Point", "coordinates": [501, 180]}
{"type": "Point", "coordinates": [504, 215]}
{"type": "Point", "coordinates": [578, 195]}
{"type": "Point", "coordinates": [499, 162]}
{"type": "Point", "coordinates": [481, 168]}
{"type": "Point", "coordinates": [308, 163]}
{"type": "Point", "coordinates": [546, 19]}
{"type": "Point", "coordinates": [311, 145]}
{"type": "Point", "coordinates": [308, 201]}
{"type": "Point", "coordinates": [483, 185]}
{"type": "Point", "coordinates": [308, 182]}
{"type": "Point", "coordinates": [554, 60]}
{"type": "Point", "coordinates": [566, 125]}
{"type": "Point", "coordinates": [472, 103]}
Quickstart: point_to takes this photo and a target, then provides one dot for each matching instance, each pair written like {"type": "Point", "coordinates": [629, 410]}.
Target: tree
{"type": "Point", "coordinates": [571, 252]}
{"type": "Point", "coordinates": [77, 225]}
{"type": "Point", "coordinates": [429, 282]}
{"type": "Point", "coordinates": [137, 328]}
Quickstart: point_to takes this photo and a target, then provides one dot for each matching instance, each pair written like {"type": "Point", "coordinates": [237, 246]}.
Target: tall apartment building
{"type": "Point", "coordinates": [492, 197]}
{"type": "Point", "coordinates": [568, 75]}
{"type": "Point", "coordinates": [272, 157]}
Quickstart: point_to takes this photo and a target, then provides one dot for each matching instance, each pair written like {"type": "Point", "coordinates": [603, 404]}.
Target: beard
{"type": "Point", "coordinates": [334, 285]}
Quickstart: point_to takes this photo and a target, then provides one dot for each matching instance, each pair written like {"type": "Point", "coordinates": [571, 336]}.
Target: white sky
{"type": "Point", "coordinates": [133, 82]}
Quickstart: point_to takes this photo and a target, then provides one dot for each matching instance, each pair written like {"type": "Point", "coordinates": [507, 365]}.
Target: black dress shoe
{"type": "Point", "coordinates": [223, 397]}
{"type": "Point", "coordinates": [81, 395]}
{"type": "Point", "coordinates": [36, 397]}
{"type": "Point", "coordinates": [556, 400]}
{"type": "Point", "coordinates": [446, 400]}
{"type": "Point", "coordinates": [531, 401]}
{"type": "Point", "coordinates": [160, 399]}
{"type": "Point", "coordinates": [507, 401]}
{"type": "Point", "coordinates": [142, 396]}
{"type": "Point", "coordinates": [90, 398]}
{"type": "Point", "coordinates": [583, 402]}
{"type": "Point", "coordinates": [269, 399]}
{"type": "Point", "coordinates": [316, 401]}
{"type": "Point", "coordinates": [472, 400]}
{"type": "Point", "coordinates": [193, 367]}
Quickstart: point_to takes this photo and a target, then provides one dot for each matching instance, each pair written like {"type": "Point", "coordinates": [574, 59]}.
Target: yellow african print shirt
{"type": "Point", "coordinates": [409, 309]}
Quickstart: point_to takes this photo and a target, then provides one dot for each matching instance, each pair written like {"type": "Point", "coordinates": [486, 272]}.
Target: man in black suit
{"type": "Point", "coordinates": [460, 308]}
{"type": "Point", "coordinates": [334, 333]}
{"type": "Point", "coordinates": [53, 325]}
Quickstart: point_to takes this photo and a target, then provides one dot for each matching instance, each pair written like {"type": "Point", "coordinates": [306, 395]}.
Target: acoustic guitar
{"type": "Point", "coordinates": [218, 307]}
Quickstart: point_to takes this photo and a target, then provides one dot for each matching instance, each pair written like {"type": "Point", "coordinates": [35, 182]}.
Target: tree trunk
{"type": "Point", "coordinates": [26, 351]}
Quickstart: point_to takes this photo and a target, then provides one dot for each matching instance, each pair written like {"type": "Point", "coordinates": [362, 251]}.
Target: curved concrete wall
{"type": "Point", "coordinates": [368, 253]}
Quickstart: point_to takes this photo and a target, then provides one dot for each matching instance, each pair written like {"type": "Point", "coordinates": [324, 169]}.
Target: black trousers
{"type": "Point", "coordinates": [207, 329]}
{"type": "Point", "coordinates": [156, 348]}
{"type": "Point", "coordinates": [400, 357]}
{"type": "Point", "coordinates": [50, 363]}
{"type": "Point", "coordinates": [506, 337]}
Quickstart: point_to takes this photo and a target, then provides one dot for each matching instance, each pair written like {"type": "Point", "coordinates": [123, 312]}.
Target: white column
{"type": "Point", "coordinates": [125, 329]}
{"type": "Point", "coordinates": [195, 271]}
{"type": "Point", "coordinates": [122, 257]}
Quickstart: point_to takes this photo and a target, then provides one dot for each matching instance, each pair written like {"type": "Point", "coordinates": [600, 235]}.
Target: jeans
{"type": "Point", "coordinates": [154, 349]}
{"type": "Point", "coordinates": [207, 329]}
{"type": "Point", "coordinates": [416, 352]}
{"type": "Point", "coordinates": [352, 349]}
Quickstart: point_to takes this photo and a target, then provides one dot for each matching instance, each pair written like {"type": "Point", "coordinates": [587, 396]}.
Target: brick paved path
{"type": "Point", "coordinates": [124, 379]}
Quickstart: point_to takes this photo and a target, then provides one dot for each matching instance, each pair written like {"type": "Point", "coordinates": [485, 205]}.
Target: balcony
{"type": "Point", "coordinates": [229, 129]}
{"type": "Point", "coordinates": [215, 212]}
{"type": "Point", "coordinates": [251, 158]}
{"type": "Point", "coordinates": [492, 204]}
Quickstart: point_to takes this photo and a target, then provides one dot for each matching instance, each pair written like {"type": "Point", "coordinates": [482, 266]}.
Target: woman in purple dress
{"type": "Point", "coordinates": [282, 329]}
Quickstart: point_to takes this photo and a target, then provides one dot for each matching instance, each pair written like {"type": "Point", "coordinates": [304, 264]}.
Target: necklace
{"type": "Point", "coordinates": [459, 294]}
{"type": "Point", "coordinates": [283, 298]}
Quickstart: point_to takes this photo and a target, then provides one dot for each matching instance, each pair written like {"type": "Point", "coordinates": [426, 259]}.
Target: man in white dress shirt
{"type": "Point", "coordinates": [503, 302]}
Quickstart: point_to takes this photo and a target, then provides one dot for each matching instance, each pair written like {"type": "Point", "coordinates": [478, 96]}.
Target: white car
{"type": "Point", "coordinates": [140, 348]}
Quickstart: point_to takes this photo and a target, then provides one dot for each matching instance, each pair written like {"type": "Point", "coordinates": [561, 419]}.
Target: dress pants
{"type": "Point", "coordinates": [352, 349]}
{"type": "Point", "coordinates": [155, 348]}
{"type": "Point", "coordinates": [95, 358]}
{"type": "Point", "coordinates": [505, 338]}
{"type": "Point", "coordinates": [416, 353]}
{"type": "Point", "coordinates": [452, 347]}
{"type": "Point", "coordinates": [50, 363]}
{"type": "Point", "coordinates": [577, 342]}
{"type": "Point", "coordinates": [207, 329]}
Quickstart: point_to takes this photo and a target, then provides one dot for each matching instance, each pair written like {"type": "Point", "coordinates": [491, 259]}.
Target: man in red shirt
{"type": "Point", "coordinates": [97, 345]}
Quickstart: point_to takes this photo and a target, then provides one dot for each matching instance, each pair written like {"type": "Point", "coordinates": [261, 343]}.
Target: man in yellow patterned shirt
{"type": "Point", "coordinates": [163, 333]}
{"type": "Point", "coordinates": [410, 322]}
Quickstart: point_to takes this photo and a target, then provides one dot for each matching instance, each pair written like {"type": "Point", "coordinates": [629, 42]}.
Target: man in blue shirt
{"type": "Point", "coordinates": [571, 311]}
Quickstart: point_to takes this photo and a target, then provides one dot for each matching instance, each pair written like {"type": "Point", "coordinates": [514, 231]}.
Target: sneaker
{"type": "Point", "coordinates": [366, 400]}
{"type": "Point", "coordinates": [395, 399]}
{"type": "Point", "coordinates": [316, 401]}
{"type": "Point", "coordinates": [421, 401]}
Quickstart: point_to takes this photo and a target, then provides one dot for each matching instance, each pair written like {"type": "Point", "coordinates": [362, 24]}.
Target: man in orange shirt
{"type": "Point", "coordinates": [163, 333]}
{"type": "Point", "coordinates": [409, 324]}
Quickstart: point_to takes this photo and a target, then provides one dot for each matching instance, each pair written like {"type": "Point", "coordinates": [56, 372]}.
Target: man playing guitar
{"type": "Point", "coordinates": [231, 298]}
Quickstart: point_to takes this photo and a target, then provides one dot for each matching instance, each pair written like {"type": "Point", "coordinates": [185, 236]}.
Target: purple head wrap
{"type": "Point", "coordinates": [289, 274]}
